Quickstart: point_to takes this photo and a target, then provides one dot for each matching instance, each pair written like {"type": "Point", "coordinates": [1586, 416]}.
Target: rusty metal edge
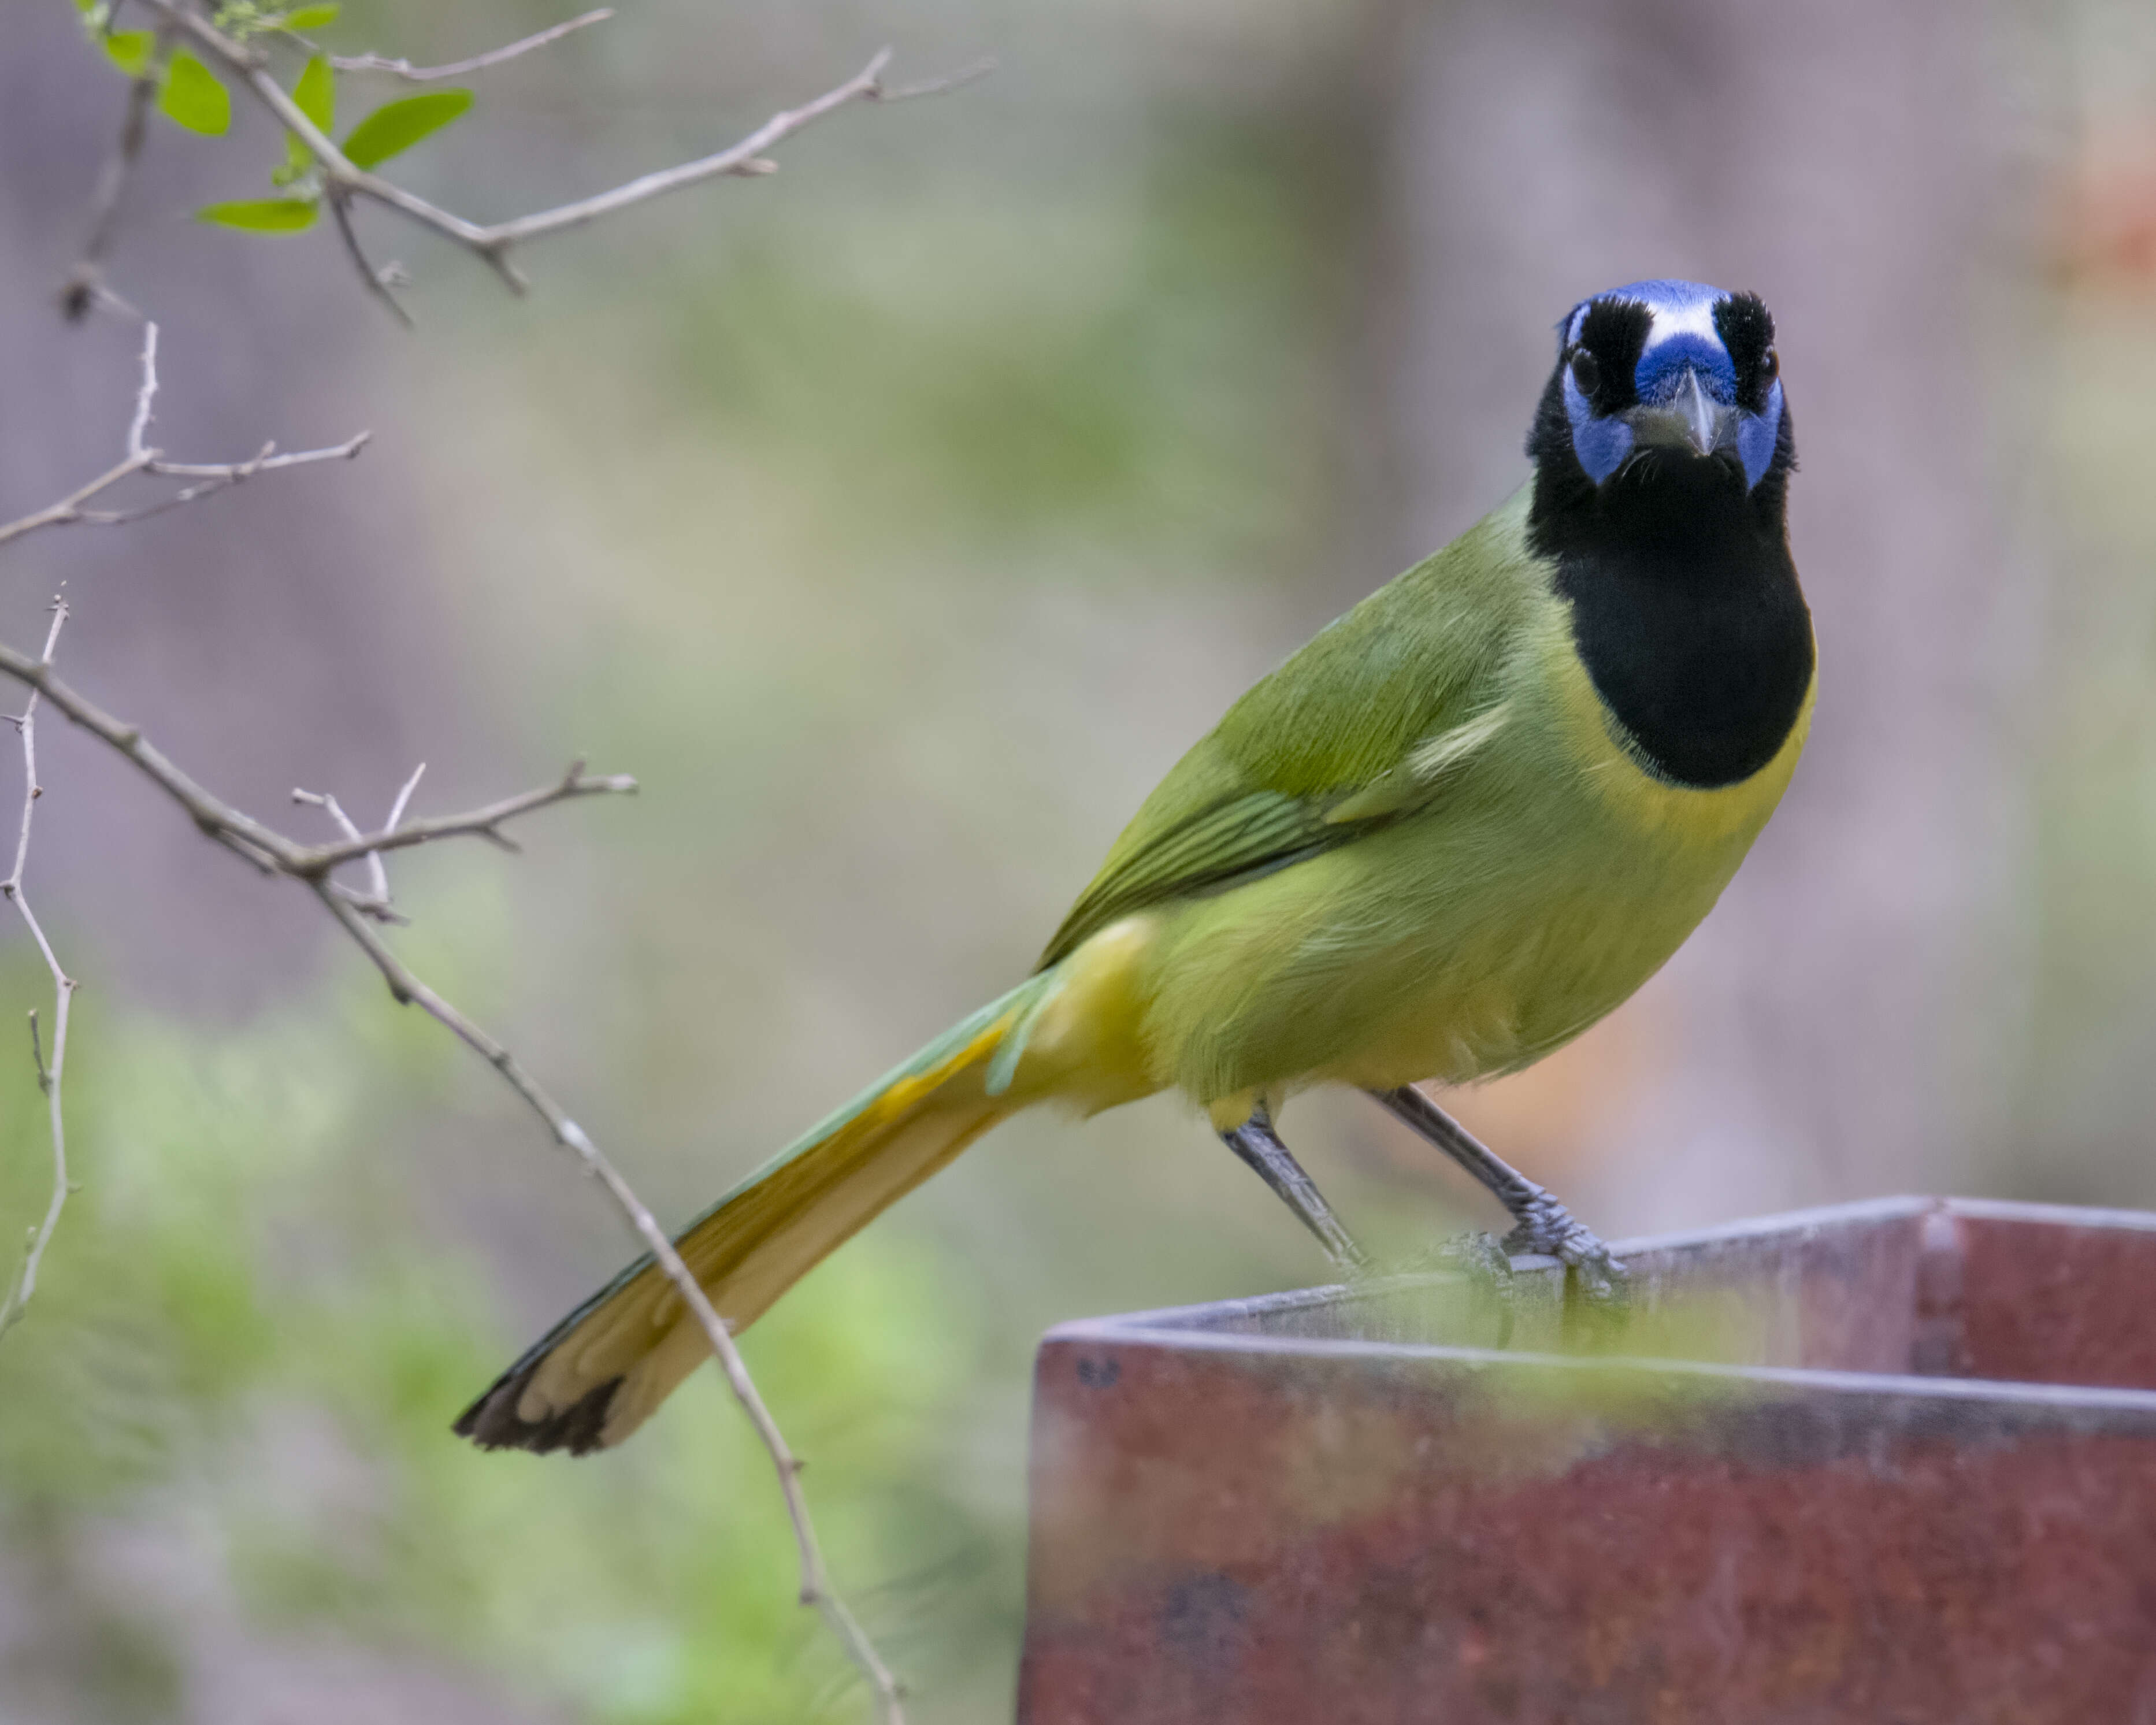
{"type": "Point", "coordinates": [1198, 1319]}
{"type": "Point", "coordinates": [1197, 1327]}
{"type": "Point", "coordinates": [2066, 1215]}
{"type": "Point", "coordinates": [2035, 1396]}
{"type": "Point", "coordinates": [1201, 1317]}
{"type": "Point", "coordinates": [1204, 1317]}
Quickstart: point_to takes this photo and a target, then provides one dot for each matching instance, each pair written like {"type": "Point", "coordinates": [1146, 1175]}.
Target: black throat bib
{"type": "Point", "coordinates": [1686, 609]}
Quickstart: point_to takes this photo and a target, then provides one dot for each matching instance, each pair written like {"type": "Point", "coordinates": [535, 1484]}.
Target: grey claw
{"type": "Point", "coordinates": [1477, 1253]}
{"type": "Point", "coordinates": [1480, 1254]}
{"type": "Point", "coordinates": [1546, 1227]}
{"type": "Point", "coordinates": [1602, 1278]}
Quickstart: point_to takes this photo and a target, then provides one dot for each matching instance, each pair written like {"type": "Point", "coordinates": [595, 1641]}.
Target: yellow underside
{"type": "Point", "coordinates": [1377, 965]}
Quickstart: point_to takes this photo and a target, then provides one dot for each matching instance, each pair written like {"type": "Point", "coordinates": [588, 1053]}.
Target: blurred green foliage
{"type": "Point", "coordinates": [250, 1335]}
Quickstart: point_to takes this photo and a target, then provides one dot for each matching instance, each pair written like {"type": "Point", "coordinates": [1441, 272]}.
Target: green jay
{"type": "Point", "coordinates": [1466, 821]}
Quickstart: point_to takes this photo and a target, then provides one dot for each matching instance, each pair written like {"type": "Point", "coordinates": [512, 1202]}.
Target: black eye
{"type": "Point", "coordinates": [1770, 367]}
{"type": "Point", "coordinates": [1585, 372]}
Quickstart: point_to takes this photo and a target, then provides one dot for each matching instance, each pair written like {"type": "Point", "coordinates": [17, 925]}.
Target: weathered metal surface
{"type": "Point", "coordinates": [1351, 1507]}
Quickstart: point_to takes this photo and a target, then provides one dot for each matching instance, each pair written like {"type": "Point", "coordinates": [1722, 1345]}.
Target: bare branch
{"type": "Point", "coordinates": [275, 853]}
{"type": "Point", "coordinates": [480, 824]}
{"type": "Point", "coordinates": [208, 477]}
{"type": "Point", "coordinates": [378, 910]}
{"type": "Point", "coordinates": [323, 800]}
{"type": "Point", "coordinates": [404, 797]}
{"type": "Point", "coordinates": [146, 398]}
{"type": "Point", "coordinates": [745, 157]}
{"type": "Point", "coordinates": [68, 508]}
{"type": "Point", "coordinates": [494, 242]}
{"type": "Point", "coordinates": [377, 280]}
{"type": "Point", "coordinates": [268, 849]}
{"type": "Point", "coordinates": [376, 904]}
{"type": "Point", "coordinates": [25, 1283]}
{"type": "Point", "coordinates": [478, 62]}
{"type": "Point", "coordinates": [272, 852]}
{"type": "Point", "coordinates": [939, 86]}
{"type": "Point", "coordinates": [377, 871]}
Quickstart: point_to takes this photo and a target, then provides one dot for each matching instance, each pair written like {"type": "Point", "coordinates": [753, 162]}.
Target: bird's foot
{"type": "Point", "coordinates": [1480, 1255]}
{"type": "Point", "coordinates": [1479, 1258]}
{"type": "Point", "coordinates": [1546, 1227]}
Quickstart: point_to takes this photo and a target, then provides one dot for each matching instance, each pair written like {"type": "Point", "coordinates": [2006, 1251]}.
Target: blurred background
{"type": "Point", "coordinates": [897, 520]}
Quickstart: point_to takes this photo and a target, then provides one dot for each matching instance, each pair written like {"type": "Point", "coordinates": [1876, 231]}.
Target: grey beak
{"type": "Point", "coordinates": [1691, 420]}
{"type": "Point", "coordinates": [1699, 415]}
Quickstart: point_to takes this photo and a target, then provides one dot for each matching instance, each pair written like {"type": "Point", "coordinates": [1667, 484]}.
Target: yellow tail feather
{"type": "Point", "coordinates": [606, 1368]}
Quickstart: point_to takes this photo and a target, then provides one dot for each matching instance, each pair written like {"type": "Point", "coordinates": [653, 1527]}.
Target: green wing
{"type": "Point", "coordinates": [1358, 728]}
{"type": "Point", "coordinates": [1242, 833]}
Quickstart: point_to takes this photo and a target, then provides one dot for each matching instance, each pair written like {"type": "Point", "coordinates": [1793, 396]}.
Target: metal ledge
{"type": "Point", "coordinates": [1890, 1461]}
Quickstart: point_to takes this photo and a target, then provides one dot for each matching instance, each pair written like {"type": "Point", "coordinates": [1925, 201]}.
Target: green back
{"type": "Point", "coordinates": [1271, 785]}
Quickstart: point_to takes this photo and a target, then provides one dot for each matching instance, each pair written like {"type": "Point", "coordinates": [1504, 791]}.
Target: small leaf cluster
{"type": "Point", "coordinates": [192, 97]}
{"type": "Point", "coordinates": [240, 20]}
{"type": "Point", "coordinates": [188, 93]}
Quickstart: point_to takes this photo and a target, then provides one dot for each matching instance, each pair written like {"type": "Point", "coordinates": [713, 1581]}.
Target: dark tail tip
{"type": "Point", "coordinates": [493, 1423]}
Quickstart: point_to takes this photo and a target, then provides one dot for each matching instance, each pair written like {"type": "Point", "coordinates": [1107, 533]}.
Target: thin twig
{"type": "Point", "coordinates": [404, 798]}
{"type": "Point", "coordinates": [84, 287]}
{"type": "Point", "coordinates": [748, 157]}
{"type": "Point", "coordinates": [816, 1589]}
{"type": "Point", "coordinates": [208, 477]}
{"type": "Point", "coordinates": [272, 852]}
{"type": "Point", "coordinates": [478, 62]}
{"type": "Point", "coordinates": [317, 859]}
{"type": "Point", "coordinates": [146, 398]}
{"type": "Point", "coordinates": [49, 1076]}
{"type": "Point", "coordinates": [324, 801]}
{"type": "Point", "coordinates": [494, 242]}
{"type": "Point", "coordinates": [377, 873]}
{"type": "Point", "coordinates": [944, 85]}
{"type": "Point", "coordinates": [377, 283]}
{"type": "Point", "coordinates": [275, 853]}
{"type": "Point", "coordinates": [269, 849]}
{"type": "Point", "coordinates": [374, 903]}
{"type": "Point", "coordinates": [69, 507]}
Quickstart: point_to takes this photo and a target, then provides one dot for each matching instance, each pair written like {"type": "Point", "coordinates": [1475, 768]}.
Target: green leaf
{"type": "Point", "coordinates": [314, 96]}
{"type": "Point", "coordinates": [130, 50]}
{"type": "Point", "coordinates": [315, 93]}
{"type": "Point", "coordinates": [298, 163]}
{"type": "Point", "coordinates": [194, 98]}
{"type": "Point", "coordinates": [395, 126]}
{"type": "Point", "coordinates": [262, 215]}
{"type": "Point", "coordinates": [310, 17]}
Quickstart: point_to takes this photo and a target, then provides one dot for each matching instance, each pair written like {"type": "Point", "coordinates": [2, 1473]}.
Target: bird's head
{"type": "Point", "coordinates": [1663, 370]}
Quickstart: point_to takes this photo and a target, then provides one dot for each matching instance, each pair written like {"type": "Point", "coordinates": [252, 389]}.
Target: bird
{"type": "Point", "coordinates": [1464, 822]}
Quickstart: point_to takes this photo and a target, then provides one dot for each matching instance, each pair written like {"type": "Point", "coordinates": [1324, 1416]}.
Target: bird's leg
{"type": "Point", "coordinates": [1540, 1223]}
{"type": "Point", "coordinates": [1260, 1146]}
